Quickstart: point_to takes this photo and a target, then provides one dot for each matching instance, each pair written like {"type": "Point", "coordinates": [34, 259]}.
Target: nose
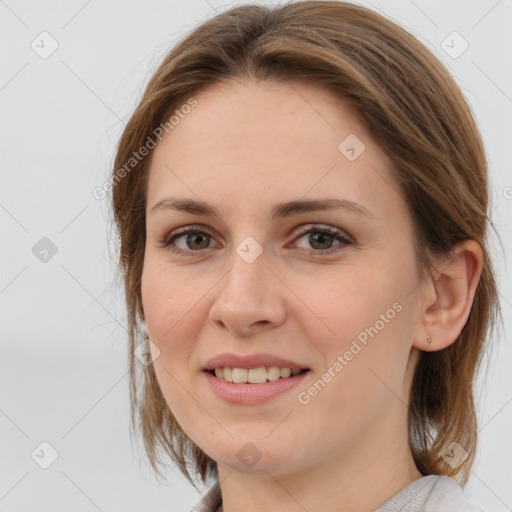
{"type": "Point", "coordinates": [249, 299]}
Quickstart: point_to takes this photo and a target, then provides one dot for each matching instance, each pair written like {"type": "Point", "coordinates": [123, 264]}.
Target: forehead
{"type": "Point", "coordinates": [245, 142]}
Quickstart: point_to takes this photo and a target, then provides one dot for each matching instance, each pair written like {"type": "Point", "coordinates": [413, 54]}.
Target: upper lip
{"type": "Point", "coordinates": [229, 360]}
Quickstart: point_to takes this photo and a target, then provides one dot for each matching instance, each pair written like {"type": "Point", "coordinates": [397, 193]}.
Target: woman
{"type": "Point", "coordinates": [301, 198]}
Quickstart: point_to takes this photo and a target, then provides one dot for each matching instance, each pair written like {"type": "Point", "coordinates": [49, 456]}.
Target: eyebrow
{"type": "Point", "coordinates": [279, 210]}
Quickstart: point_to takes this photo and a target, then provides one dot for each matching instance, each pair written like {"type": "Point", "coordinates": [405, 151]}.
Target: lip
{"type": "Point", "coordinates": [231, 360]}
{"type": "Point", "coordinates": [249, 394]}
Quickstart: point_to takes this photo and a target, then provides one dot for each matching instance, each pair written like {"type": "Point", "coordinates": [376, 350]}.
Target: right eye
{"type": "Point", "coordinates": [186, 241]}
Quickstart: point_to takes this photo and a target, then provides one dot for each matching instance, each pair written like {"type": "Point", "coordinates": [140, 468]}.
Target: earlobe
{"type": "Point", "coordinates": [445, 311]}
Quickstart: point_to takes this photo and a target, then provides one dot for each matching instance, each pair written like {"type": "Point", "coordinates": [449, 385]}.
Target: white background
{"type": "Point", "coordinates": [63, 360]}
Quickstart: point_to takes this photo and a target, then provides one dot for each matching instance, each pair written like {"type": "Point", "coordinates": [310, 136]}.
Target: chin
{"type": "Point", "coordinates": [259, 457]}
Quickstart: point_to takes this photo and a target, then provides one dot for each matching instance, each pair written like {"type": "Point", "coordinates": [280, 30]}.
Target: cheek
{"type": "Point", "coordinates": [363, 315]}
{"type": "Point", "coordinates": [173, 308]}
{"type": "Point", "coordinates": [345, 301]}
{"type": "Point", "coordinates": [169, 295]}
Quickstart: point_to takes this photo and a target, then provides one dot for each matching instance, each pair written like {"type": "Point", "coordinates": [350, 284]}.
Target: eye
{"type": "Point", "coordinates": [321, 239]}
{"type": "Point", "coordinates": [187, 240]}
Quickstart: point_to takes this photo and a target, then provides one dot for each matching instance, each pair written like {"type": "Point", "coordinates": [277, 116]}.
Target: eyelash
{"type": "Point", "coordinates": [315, 228]}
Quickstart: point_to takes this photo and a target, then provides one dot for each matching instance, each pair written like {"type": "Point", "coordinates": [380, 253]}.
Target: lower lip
{"type": "Point", "coordinates": [252, 393]}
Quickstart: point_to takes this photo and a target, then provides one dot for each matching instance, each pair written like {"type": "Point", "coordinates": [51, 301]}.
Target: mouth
{"type": "Point", "coordinates": [259, 375]}
{"type": "Point", "coordinates": [249, 379]}
{"type": "Point", "coordinates": [254, 385]}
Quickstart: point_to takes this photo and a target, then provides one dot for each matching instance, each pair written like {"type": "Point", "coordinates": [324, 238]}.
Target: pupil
{"type": "Point", "coordinates": [196, 238]}
{"type": "Point", "coordinates": [320, 238]}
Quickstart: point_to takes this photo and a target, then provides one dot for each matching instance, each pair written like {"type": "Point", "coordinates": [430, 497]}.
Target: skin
{"type": "Point", "coordinates": [243, 148]}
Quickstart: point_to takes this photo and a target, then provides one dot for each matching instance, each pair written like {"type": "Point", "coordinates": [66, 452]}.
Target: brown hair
{"type": "Point", "coordinates": [412, 107]}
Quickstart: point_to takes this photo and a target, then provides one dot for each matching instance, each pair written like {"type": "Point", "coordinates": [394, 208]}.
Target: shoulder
{"type": "Point", "coordinates": [447, 493]}
{"type": "Point", "coordinates": [432, 493]}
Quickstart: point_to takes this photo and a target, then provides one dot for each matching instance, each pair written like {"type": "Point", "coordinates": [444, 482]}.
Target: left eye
{"type": "Point", "coordinates": [321, 238]}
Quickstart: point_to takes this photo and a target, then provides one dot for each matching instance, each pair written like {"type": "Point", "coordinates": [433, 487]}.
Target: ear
{"type": "Point", "coordinates": [447, 297]}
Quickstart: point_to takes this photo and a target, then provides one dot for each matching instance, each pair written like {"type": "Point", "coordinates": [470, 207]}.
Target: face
{"type": "Point", "coordinates": [306, 263]}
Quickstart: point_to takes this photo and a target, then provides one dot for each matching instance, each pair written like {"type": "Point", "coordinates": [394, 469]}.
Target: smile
{"type": "Point", "coordinates": [255, 375]}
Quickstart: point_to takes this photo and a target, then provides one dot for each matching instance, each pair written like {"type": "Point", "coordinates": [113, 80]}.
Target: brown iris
{"type": "Point", "coordinates": [202, 241]}
{"type": "Point", "coordinates": [320, 238]}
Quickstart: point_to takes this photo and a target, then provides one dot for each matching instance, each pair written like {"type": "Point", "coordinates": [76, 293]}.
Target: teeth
{"type": "Point", "coordinates": [257, 375]}
{"type": "Point", "coordinates": [273, 373]}
{"type": "Point", "coordinates": [254, 375]}
{"type": "Point", "coordinates": [239, 375]}
{"type": "Point", "coordinates": [285, 372]}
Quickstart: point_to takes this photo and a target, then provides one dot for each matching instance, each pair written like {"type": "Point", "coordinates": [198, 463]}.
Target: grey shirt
{"type": "Point", "coordinates": [433, 493]}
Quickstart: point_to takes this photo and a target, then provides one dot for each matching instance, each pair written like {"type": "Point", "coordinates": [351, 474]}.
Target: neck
{"type": "Point", "coordinates": [360, 479]}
